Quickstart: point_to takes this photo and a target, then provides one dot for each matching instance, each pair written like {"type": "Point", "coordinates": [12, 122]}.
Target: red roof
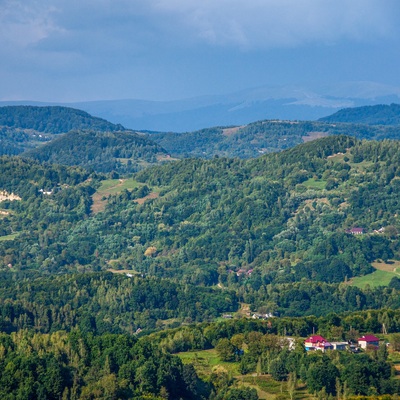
{"type": "Point", "coordinates": [315, 339]}
{"type": "Point", "coordinates": [368, 338]}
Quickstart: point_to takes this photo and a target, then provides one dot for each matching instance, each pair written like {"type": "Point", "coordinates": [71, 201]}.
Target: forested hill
{"type": "Point", "coordinates": [192, 241]}
{"type": "Point", "coordinates": [370, 115]}
{"type": "Point", "coordinates": [262, 137]}
{"type": "Point", "coordinates": [279, 220]}
{"type": "Point", "coordinates": [123, 151]}
{"type": "Point", "coordinates": [24, 128]}
{"type": "Point", "coordinates": [52, 119]}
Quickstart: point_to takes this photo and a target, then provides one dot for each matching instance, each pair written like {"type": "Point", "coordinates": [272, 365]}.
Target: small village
{"type": "Point", "coordinates": [319, 343]}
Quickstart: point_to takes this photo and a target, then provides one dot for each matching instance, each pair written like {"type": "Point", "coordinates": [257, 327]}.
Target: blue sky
{"type": "Point", "coordinates": [70, 50]}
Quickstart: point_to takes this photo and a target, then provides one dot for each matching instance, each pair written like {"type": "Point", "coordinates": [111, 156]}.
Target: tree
{"type": "Point", "coordinates": [242, 393]}
{"type": "Point", "coordinates": [322, 374]}
{"type": "Point", "coordinates": [225, 350]}
{"type": "Point", "coordinates": [278, 369]}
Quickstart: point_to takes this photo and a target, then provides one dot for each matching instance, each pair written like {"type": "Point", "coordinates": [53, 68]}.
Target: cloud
{"type": "Point", "coordinates": [148, 41]}
{"type": "Point", "coordinates": [277, 23]}
{"type": "Point", "coordinates": [251, 24]}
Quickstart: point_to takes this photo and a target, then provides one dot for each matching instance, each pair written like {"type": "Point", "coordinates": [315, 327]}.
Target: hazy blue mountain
{"type": "Point", "coordinates": [243, 107]}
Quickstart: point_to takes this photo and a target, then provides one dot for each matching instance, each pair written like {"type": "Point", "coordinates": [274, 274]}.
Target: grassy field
{"type": "Point", "coordinates": [110, 187]}
{"type": "Point", "coordinates": [114, 186]}
{"type": "Point", "coordinates": [8, 237]}
{"type": "Point", "coordinates": [314, 183]}
{"type": "Point", "coordinates": [381, 277]}
{"type": "Point", "coordinates": [206, 361]}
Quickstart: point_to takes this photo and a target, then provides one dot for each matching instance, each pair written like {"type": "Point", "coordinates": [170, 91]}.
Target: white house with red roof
{"type": "Point", "coordinates": [317, 342]}
{"type": "Point", "coordinates": [367, 341]}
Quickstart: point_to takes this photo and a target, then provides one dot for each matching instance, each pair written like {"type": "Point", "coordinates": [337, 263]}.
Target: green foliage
{"type": "Point", "coordinates": [263, 137]}
{"type": "Point", "coordinates": [124, 152]}
{"type": "Point", "coordinates": [52, 119]}
{"type": "Point", "coordinates": [87, 367]}
{"type": "Point", "coordinates": [225, 350]}
{"type": "Point", "coordinates": [244, 393]}
{"type": "Point", "coordinates": [104, 302]}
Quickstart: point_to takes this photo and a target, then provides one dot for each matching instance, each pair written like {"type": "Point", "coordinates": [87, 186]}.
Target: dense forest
{"type": "Point", "coordinates": [123, 152]}
{"type": "Point", "coordinates": [113, 286]}
{"type": "Point", "coordinates": [52, 119]}
{"type": "Point", "coordinates": [262, 137]}
{"type": "Point", "coordinates": [105, 303]}
{"type": "Point", "coordinates": [23, 128]}
{"type": "Point", "coordinates": [371, 115]}
{"type": "Point", "coordinates": [276, 220]}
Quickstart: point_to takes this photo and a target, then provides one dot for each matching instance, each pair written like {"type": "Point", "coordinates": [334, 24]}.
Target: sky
{"type": "Point", "coordinates": [82, 50]}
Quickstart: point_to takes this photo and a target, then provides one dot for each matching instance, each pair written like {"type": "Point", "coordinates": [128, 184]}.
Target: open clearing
{"type": "Point", "coordinates": [114, 186]}
{"type": "Point", "coordinates": [8, 237]}
{"type": "Point", "coordinates": [314, 135]}
{"type": "Point", "coordinates": [312, 183]}
{"type": "Point", "coordinates": [205, 361]}
{"type": "Point", "coordinates": [381, 277]}
{"type": "Point", "coordinates": [231, 131]}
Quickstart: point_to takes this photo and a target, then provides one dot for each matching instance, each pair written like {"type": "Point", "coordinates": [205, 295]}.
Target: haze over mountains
{"type": "Point", "coordinates": [265, 102]}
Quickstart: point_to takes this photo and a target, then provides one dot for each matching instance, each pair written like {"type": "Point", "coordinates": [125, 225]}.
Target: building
{"type": "Point", "coordinates": [356, 231]}
{"type": "Point", "coordinates": [368, 341]}
{"type": "Point", "coordinates": [317, 342]}
{"type": "Point", "coordinates": [339, 345]}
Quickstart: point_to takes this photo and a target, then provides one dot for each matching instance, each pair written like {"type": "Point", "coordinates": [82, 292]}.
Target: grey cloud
{"type": "Point", "coordinates": [243, 23]}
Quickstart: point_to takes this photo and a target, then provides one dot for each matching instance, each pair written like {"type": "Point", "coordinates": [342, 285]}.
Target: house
{"type": "Point", "coordinates": [368, 341]}
{"type": "Point", "coordinates": [339, 345]}
{"type": "Point", "coordinates": [356, 231]}
{"type": "Point", "coordinates": [317, 342]}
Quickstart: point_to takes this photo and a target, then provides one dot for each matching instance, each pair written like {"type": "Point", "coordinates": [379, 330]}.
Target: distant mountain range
{"type": "Point", "coordinates": [243, 107]}
{"type": "Point", "coordinates": [73, 137]}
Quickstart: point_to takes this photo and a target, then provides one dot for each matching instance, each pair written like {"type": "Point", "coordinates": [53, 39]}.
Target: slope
{"type": "Point", "coordinates": [52, 119]}
{"type": "Point", "coordinates": [262, 137]}
{"type": "Point", "coordinates": [26, 127]}
{"type": "Point", "coordinates": [123, 151]}
{"type": "Point", "coordinates": [381, 114]}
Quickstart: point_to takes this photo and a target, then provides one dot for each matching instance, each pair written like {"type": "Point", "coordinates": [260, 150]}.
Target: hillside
{"type": "Point", "coordinates": [276, 220]}
{"type": "Point", "coordinates": [255, 139]}
{"type": "Point", "coordinates": [14, 141]}
{"type": "Point", "coordinates": [123, 152]}
{"type": "Point", "coordinates": [371, 115]}
{"type": "Point", "coordinates": [52, 119]}
{"type": "Point", "coordinates": [24, 128]}
{"type": "Point", "coordinates": [188, 242]}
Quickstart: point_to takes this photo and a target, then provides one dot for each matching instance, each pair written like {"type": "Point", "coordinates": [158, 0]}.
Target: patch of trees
{"type": "Point", "coordinates": [78, 365]}
{"type": "Point", "coordinates": [104, 302]}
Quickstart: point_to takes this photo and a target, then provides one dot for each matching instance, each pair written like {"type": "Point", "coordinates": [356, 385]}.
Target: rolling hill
{"type": "Point", "coordinates": [54, 119]}
{"type": "Point", "coordinates": [26, 127]}
{"type": "Point", "coordinates": [280, 219]}
{"type": "Point", "coordinates": [123, 152]}
{"type": "Point", "coordinates": [255, 139]}
{"type": "Point", "coordinates": [380, 114]}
